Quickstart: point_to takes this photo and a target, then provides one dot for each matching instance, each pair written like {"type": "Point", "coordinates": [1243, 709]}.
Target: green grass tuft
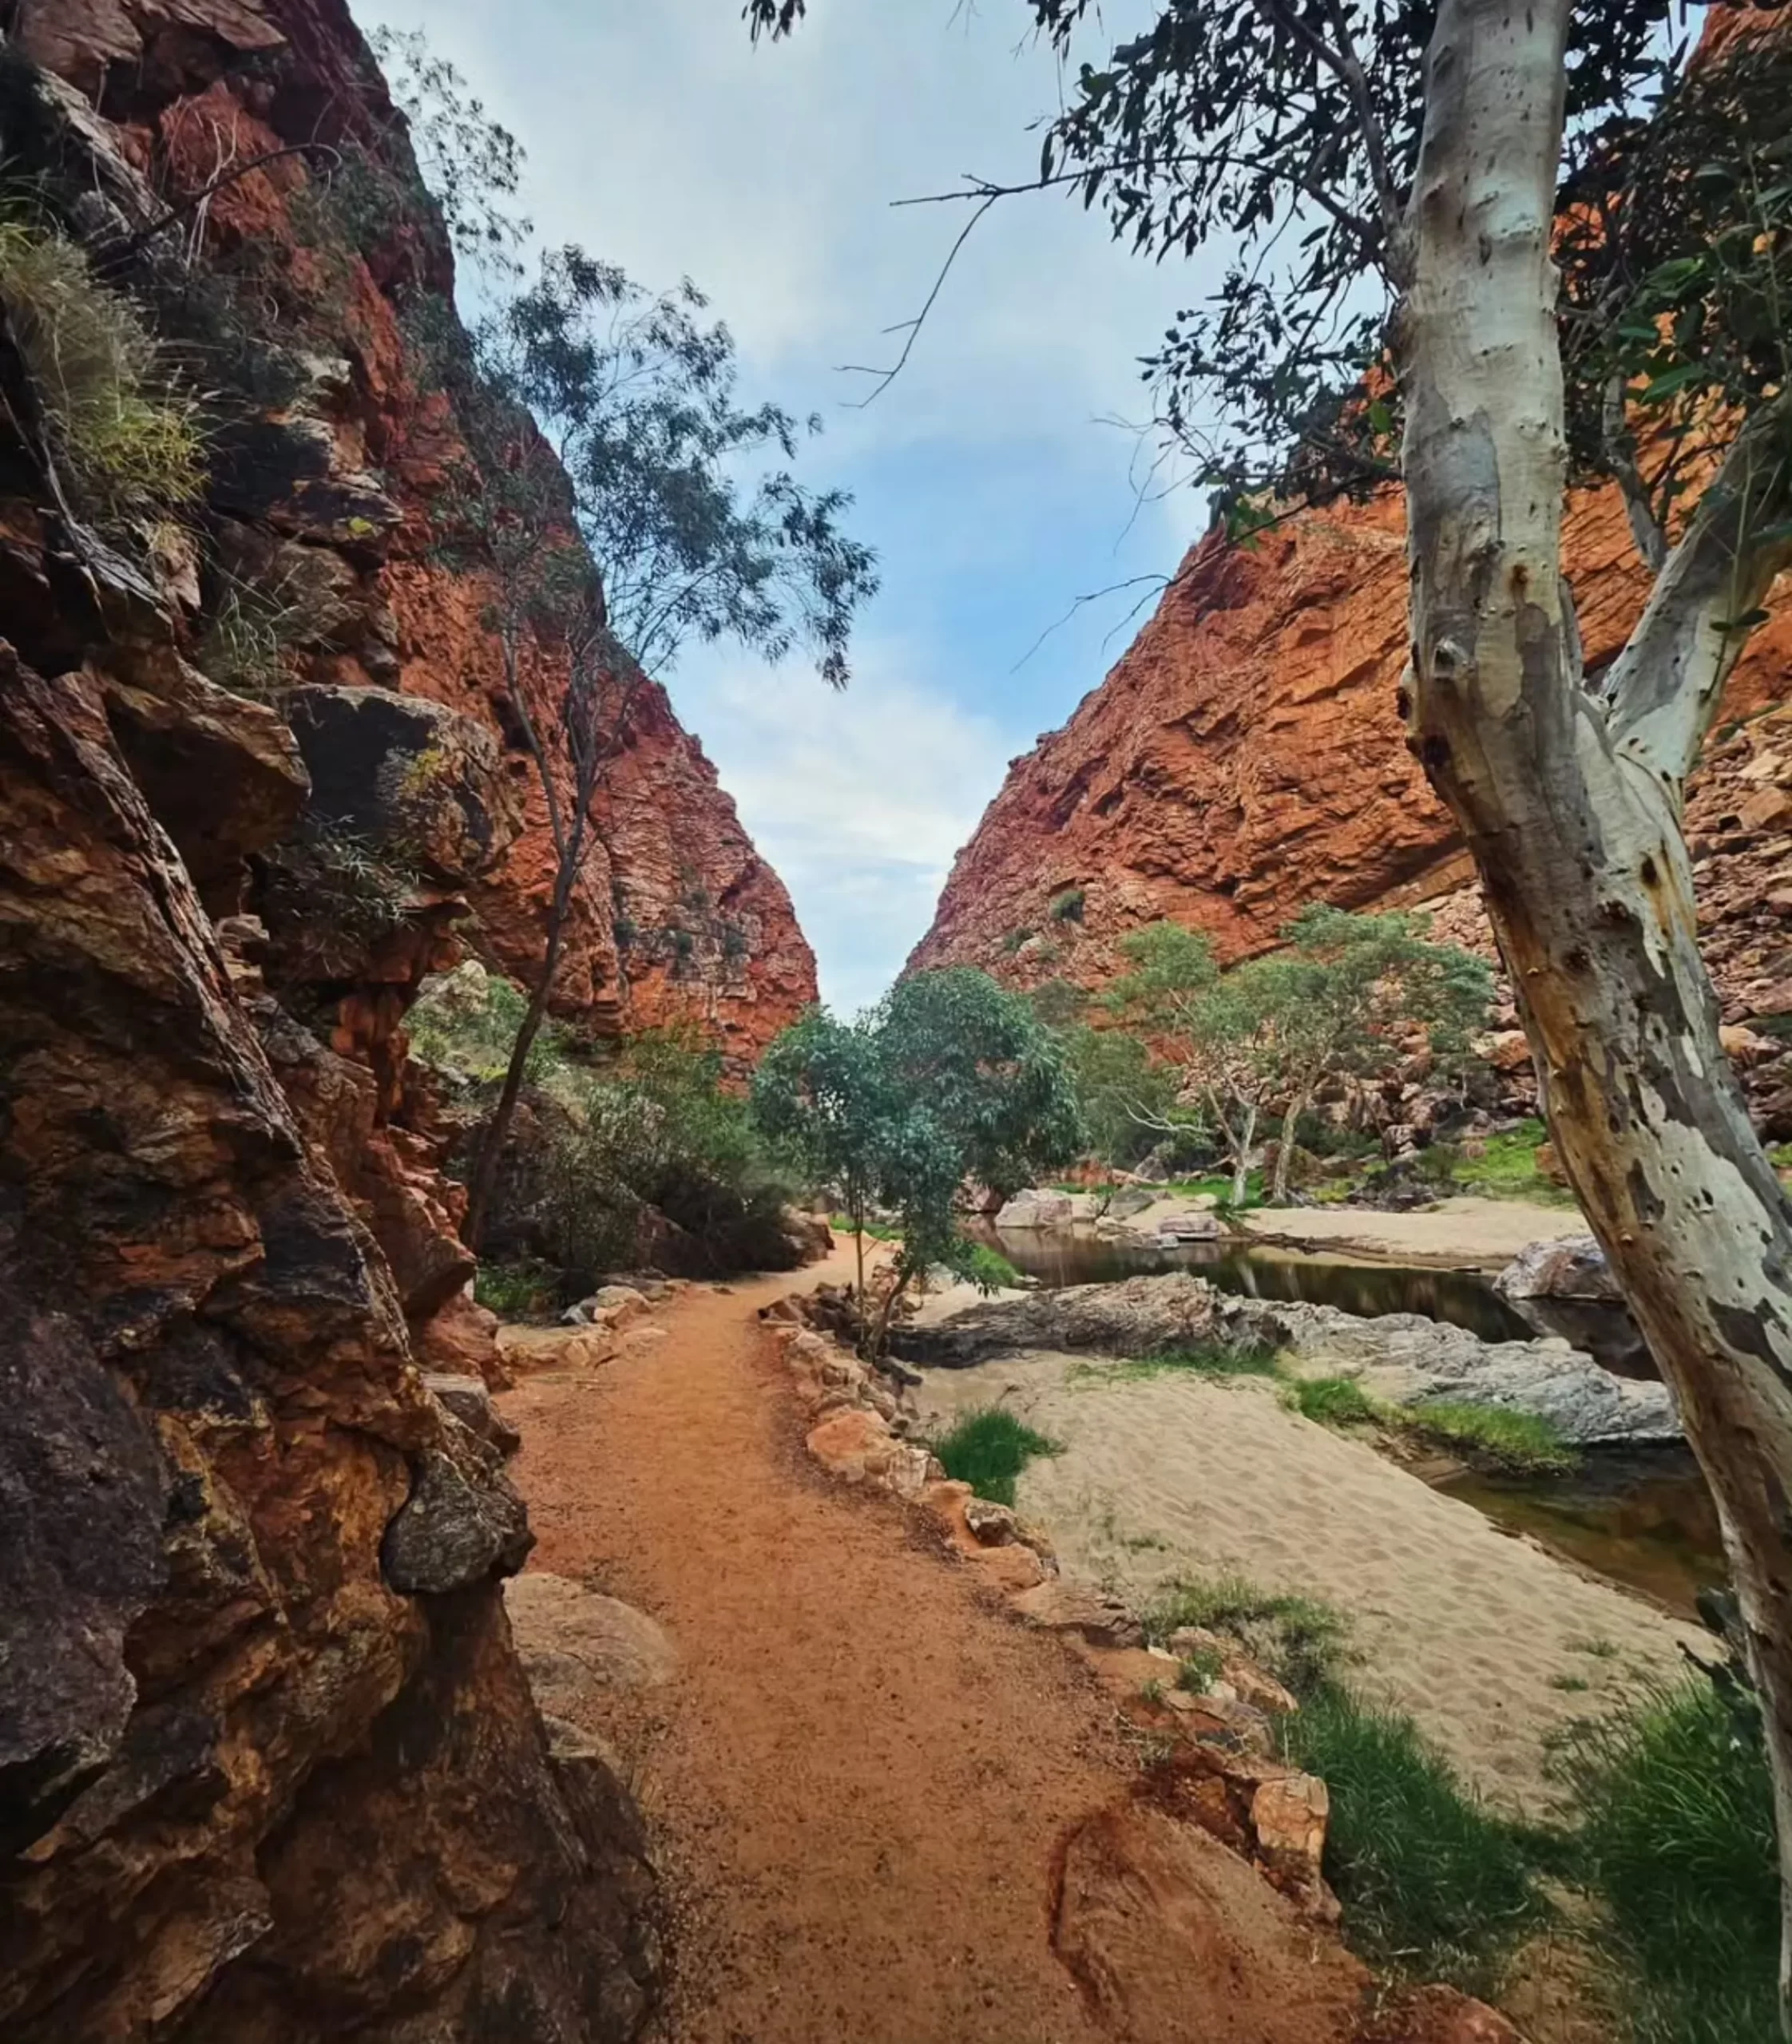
{"type": "Point", "coordinates": [1299, 1640]}
{"type": "Point", "coordinates": [1433, 1884]}
{"type": "Point", "coordinates": [1515, 1440]}
{"type": "Point", "coordinates": [1676, 1841]}
{"type": "Point", "coordinates": [1211, 1359]}
{"type": "Point", "coordinates": [988, 1450]}
{"type": "Point", "coordinates": [1507, 1168]}
{"type": "Point", "coordinates": [988, 1269]}
{"type": "Point", "coordinates": [129, 436]}
{"type": "Point", "coordinates": [878, 1231]}
{"type": "Point", "coordinates": [1332, 1401]}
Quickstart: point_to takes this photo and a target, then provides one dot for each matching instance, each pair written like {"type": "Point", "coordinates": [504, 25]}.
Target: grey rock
{"type": "Point", "coordinates": [1406, 1359]}
{"type": "Point", "coordinates": [1139, 1317]}
{"type": "Point", "coordinates": [461, 1523]}
{"type": "Point", "coordinates": [1037, 1210]}
{"type": "Point", "coordinates": [1573, 1268]}
{"type": "Point", "coordinates": [85, 1492]}
{"type": "Point", "coordinates": [469, 1400]}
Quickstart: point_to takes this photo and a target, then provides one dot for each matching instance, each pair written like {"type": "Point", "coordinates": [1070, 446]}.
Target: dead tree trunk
{"type": "Point", "coordinates": [1570, 804]}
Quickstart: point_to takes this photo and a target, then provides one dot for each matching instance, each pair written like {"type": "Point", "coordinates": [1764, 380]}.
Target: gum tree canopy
{"type": "Point", "coordinates": [1488, 247]}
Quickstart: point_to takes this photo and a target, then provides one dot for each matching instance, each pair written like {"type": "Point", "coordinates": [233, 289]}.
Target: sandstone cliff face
{"type": "Point", "coordinates": [1247, 757]}
{"type": "Point", "coordinates": [269, 1769]}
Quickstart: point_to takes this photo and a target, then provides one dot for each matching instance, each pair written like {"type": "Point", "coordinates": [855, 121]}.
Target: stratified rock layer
{"type": "Point", "coordinates": [1247, 757]}
{"type": "Point", "coordinates": [270, 1768]}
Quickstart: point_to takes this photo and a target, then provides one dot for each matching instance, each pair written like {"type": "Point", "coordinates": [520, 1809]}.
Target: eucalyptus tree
{"type": "Point", "coordinates": [823, 1089]}
{"type": "Point", "coordinates": [950, 1077]}
{"type": "Point", "coordinates": [1490, 248]}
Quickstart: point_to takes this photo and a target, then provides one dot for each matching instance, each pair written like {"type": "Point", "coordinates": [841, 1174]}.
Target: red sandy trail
{"type": "Point", "coordinates": [861, 1777]}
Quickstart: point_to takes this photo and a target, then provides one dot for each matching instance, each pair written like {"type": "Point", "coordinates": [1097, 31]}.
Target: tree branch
{"type": "Point", "coordinates": [1620, 451]}
{"type": "Point", "coordinates": [1666, 685]}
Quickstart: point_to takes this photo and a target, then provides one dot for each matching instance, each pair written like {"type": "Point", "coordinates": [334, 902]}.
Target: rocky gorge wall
{"type": "Point", "coordinates": [1246, 756]}
{"type": "Point", "coordinates": [269, 1768]}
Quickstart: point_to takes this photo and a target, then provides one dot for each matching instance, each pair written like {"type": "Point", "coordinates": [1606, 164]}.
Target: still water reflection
{"type": "Point", "coordinates": [1641, 1518]}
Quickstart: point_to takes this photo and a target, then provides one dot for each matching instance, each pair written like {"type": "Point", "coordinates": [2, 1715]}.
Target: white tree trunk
{"type": "Point", "coordinates": [1572, 815]}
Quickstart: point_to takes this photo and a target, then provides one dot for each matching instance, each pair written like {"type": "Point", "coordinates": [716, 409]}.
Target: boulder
{"type": "Point", "coordinates": [1139, 1317]}
{"type": "Point", "coordinates": [1573, 1267]}
{"type": "Point", "coordinates": [1174, 1938]}
{"type": "Point", "coordinates": [1405, 1358]}
{"type": "Point", "coordinates": [1195, 1223]}
{"type": "Point", "coordinates": [401, 770]}
{"type": "Point", "coordinates": [993, 1525]}
{"type": "Point", "coordinates": [1038, 1209]}
{"type": "Point", "coordinates": [575, 1641]}
{"type": "Point", "coordinates": [469, 1400]}
{"type": "Point", "coordinates": [1058, 1606]}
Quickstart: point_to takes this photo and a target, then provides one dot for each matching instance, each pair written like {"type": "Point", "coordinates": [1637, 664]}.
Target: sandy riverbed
{"type": "Point", "coordinates": [1465, 1233]}
{"type": "Point", "coordinates": [1492, 1644]}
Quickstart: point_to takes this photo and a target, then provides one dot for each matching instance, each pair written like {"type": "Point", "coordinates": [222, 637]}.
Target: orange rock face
{"type": "Point", "coordinates": [1247, 757]}
{"type": "Point", "coordinates": [676, 920]}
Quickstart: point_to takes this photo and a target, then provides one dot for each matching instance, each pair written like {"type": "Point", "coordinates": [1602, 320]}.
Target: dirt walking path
{"type": "Point", "coordinates": [861, 1777]}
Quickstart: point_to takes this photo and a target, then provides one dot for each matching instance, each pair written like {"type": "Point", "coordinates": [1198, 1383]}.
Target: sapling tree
{"type": "Point", "coordinates": [951, 1077]}
{"type": "Point", "coordinates": [1349, 996]}
{"type": "Point", "coordinates": [823, 1089]}
{"type": "Point", "coordinates": [1450, 269]}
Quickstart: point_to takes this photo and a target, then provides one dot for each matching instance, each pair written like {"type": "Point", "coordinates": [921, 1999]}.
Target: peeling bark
{"type": "Point", "coordinates": [1571, 811]}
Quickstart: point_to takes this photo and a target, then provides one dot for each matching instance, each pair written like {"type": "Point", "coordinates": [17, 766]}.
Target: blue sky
{"type": "Point", "coordinates": [660, 139]}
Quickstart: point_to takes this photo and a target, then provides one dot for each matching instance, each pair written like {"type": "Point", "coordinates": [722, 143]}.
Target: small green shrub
{"type": "Point", "coordinates": [988, 1269]}
{"type": "Point", "coordinates": [1676, 1842]}
{"type": "Point", "coordinates": [1506, 1169]}
{"type": "Point", "coordinates": [879, 1231]}
{"type": "Point", "coordinates": [988, 1450]}
{"type": "Point", "coordinates": [1013, 939]}
{"type": "Point", "coordinates": [331, 895]}
{"type": "Point", "coordinates": [516, 1291]}
{"type": "Point", "coordinates": [467, 1021]}
{"type": "Point", "coordinates": [1332, 1401]}
{"type": "Point", "coordinates": [1199, 1669]}
{"type": "Point", "coordinates": [1433, 1884]}
{"type": "Point", "coordinates": [129, 438]}
{"type": "Point", "coordinates": [1067, 907]}
{"type": "Point", "coordinates": [1514, 1441]}
{"type": "Point", "coordinates": [1299, 1640]}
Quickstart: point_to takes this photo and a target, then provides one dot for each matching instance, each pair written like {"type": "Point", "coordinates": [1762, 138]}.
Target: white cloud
{"type": "Point", "coordinates": [859, 799]}
{"type": "Point", "coordinates": [660, 137]}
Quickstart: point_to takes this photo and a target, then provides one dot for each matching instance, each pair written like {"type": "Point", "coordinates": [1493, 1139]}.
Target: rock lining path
{"type": "Point", "coordinates": [862, 1779]}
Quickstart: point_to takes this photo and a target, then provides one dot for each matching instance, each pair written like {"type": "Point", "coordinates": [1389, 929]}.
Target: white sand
{"type": "Point", "coordinates": [1473, 1631]}
{"type": "Point", "coordinates": [1480, 1234]}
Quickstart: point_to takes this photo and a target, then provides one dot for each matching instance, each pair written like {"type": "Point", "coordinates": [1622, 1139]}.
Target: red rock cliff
{"type": "Point", "coordinates": [269, 1769]}
{"type": "Point", "coordinates": [1246, 756]}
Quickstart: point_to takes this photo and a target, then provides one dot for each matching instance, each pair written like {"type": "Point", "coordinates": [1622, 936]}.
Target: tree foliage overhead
{"type": "Point", "coordinates": [637, 395]}
{"type": "Point", "coordinates": [1293, 127]}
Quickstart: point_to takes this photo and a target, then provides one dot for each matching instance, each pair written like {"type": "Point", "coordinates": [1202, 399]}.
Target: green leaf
{"type": "Point", "coordinates": [1660, 388]}
{"type": "Point", "coordinates": [1380, 419]}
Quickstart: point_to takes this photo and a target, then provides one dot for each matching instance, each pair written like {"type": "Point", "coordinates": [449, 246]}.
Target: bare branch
{"type": "Point", "coordinates": [886, 377]}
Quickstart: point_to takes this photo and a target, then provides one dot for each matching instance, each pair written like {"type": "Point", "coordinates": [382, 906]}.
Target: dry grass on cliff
{"type": "Point", "coordinates": [129, 437]}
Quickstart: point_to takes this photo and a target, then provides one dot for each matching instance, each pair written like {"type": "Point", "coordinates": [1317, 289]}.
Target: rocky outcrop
{"type": "Point", "coordinates": [1401, 1359]}
{"type": "Point", "coordinates": [270, 1769]}
{"type": "Point", "coordinates": [1573, 1268]}
{"type": "Point", "coordinates": [268, 1766]}
{"type": "Point", "coordinates": [1246, 756]}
